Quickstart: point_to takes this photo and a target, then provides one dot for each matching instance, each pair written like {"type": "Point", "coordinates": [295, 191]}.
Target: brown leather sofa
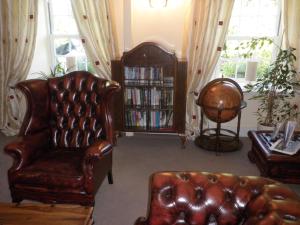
{"type": "Point", "coordinates": [65, 145]}
{"type": "Point", "coordinates": [198, 198]}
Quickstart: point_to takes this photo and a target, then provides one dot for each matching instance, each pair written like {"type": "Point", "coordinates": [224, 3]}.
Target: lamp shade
{"type": "Point", "coordinates": [251, 70]}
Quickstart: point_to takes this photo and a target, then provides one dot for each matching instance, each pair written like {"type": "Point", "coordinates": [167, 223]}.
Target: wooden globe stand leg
{"type": "Point", "coordinates": [219, 141]}
{"type": "Point", "coordinates": [218, 131]}
{"type": "Point", "coordinates": [238, 125]}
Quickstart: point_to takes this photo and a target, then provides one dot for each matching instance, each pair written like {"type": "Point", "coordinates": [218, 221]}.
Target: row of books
{"type": "Point", "coordinates": [157, 119]}
{"type": "Point", "coordinates": [165, 82]}
{"type": "Point", "coordinates": [148, 97]}
{"type": "Point", "coordinates": [143, 73]}
{"type": "Point", "coordinates": [161, 119]}
{"type": "Point", "coordinates": [136, 119]}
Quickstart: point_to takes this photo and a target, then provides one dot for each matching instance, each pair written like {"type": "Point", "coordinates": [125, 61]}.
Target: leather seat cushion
{"type": "Point", "coordinates": [53, 170]}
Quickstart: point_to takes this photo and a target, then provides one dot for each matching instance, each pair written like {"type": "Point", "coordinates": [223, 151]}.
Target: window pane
{"type": "Point", "coordinates": [62, 18]}
{"type": "Point", "coordinates": [61, 7]}
{"type": "Point", "coordinates": [250, 19]}
{"type": "Point", "coordinates": [70, 53]}
{"type": "Point", "coordinates": [228, 69]}
{"type": "Point", "coordinates": [64, 25]}
{"type": "Point", "coordinates": [240, 70]}
{"type": "Point", "coordinates": [254, 18]}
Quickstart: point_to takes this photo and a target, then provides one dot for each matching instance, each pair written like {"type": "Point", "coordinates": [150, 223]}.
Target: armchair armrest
{"type": "Point", "coordinates": [94, 153]}
{"type": "Point", "coordinates": [25, 148]}
{"type": "Point", "coordinates": [97, 150]}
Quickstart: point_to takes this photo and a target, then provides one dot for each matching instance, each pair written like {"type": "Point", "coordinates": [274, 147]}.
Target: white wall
{"type": "Point", "coordinates": [162, 25]}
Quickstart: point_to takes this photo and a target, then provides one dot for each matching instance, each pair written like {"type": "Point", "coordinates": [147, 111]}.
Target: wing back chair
{"type": "Point", "coordinates": [65, 146]}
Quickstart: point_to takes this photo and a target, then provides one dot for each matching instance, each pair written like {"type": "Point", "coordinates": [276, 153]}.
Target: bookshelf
{"type": "Point", "coordinates": [153, 95]}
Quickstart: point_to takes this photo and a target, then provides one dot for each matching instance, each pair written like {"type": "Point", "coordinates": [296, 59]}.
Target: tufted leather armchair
{"type": "Point", "coordinates": [65, 146]}
{"type": "Point", "coordinates": [198, 198]}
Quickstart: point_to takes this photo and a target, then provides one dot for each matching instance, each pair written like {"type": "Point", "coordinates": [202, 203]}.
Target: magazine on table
{"type": "Point", "coordinates": [285, 144]}
{"type": "Point", "coordinates": [291, 149]}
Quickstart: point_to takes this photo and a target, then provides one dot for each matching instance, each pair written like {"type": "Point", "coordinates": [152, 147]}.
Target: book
{"type": "Point", "coordinates": [292, 147]}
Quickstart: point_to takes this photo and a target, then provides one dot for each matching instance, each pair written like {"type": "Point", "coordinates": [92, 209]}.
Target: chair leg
{"type": "Point", "coordinates": [110, 177]}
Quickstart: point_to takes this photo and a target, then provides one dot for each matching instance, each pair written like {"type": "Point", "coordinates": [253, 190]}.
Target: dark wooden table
{"type": "Point", "coordinates": [281, 167]}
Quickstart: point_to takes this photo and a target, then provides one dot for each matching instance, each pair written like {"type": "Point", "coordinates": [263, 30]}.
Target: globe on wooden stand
{"type": "Point", "coordinates": [221, 100]}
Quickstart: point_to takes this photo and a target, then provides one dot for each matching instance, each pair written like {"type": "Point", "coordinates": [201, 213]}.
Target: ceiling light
{"type": "Point", "coordinates": [158, 3]}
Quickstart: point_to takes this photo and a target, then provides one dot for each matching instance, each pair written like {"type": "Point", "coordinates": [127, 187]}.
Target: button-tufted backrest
{"type": "Point", "coordinates": [76, 110]}
{"type": "Point", "coordinates": [200, 198]}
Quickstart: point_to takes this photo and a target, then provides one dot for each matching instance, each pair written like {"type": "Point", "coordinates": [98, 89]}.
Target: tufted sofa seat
{"type": "Point", "coordinates": [65, 146]}
{"type": "Point", "coordinates": [199, 198]}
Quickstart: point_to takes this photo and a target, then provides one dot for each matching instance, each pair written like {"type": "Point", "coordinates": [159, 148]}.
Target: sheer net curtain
{"type": "Point", "coordinates": [291, 27]}
{"type": "Point", "coordinates": [18, 26]}
{"type": "Point", "coordinates": [207, 36]}
{"type": "Point", "coordinates": [95, 25]}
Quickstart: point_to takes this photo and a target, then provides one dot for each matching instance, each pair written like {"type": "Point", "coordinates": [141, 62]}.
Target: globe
{"type": "Point", "coordinates": [220, 95]}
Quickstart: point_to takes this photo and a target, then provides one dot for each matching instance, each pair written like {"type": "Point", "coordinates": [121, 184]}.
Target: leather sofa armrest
{"type": "Point", "coordinates": [141, 221]}
{"type": "Point", "coordinates": [97, 150]}
{"type": "Point", "coordinates": [23, 149]}
{"type": "Point", "coordinates": [277, 204]}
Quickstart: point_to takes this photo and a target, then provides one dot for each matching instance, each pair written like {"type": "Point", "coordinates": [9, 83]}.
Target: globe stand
{"type": "Point", "coordinates": [221, 100]}
{"type": "Point", "coordinates": [219, 139]}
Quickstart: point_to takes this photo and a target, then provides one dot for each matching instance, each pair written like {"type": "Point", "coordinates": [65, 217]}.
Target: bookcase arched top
{"type": "Point", "coordinates": [149, 53]}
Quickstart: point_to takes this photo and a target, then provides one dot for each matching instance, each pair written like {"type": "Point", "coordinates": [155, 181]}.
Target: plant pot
{"type": "Point", "coordinates": [265, 127]}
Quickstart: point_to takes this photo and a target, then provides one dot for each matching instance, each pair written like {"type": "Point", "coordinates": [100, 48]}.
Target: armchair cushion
{"type": "Point", "coordinates": [54, 169]}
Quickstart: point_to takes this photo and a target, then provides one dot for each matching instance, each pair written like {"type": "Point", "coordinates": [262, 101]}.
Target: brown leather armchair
{"type": "Point", "coordinates": [65, 146]}
{"type": "Point", "coordinates": [205, 198]}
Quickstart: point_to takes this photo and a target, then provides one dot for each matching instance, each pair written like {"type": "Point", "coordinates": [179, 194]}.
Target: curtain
{"type": "Point", "coordinates": [94, 21]}
{"type": "Point", "coordinates": [18, 26]}
{"type": "Point", "coordinates": [291, 27]}
{"type": "Point", "coordinates": [208, 32]}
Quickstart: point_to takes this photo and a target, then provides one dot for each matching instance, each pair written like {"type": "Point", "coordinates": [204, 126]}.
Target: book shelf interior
{"type": "Point", "coordinates": [148, 98]}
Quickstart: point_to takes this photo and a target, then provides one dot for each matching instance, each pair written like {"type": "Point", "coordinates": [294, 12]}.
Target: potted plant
{"type": "Point", "coordinates": [58, 70]}
{"type": "Point", "coordinates": [275, 88]}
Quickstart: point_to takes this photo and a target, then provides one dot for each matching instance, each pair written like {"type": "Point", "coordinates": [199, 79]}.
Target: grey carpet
{"type": "Point", "coordinates": [135, 158]}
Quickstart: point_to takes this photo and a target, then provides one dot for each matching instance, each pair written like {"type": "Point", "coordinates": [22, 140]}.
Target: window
{"type": "Point", "coordinates": [67, 49]}
{"type": "Point", "coordinates": [250, 19]}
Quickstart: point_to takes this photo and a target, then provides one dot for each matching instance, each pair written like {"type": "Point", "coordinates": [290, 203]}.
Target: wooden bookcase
{"type": "Point", "coordinates": [153, 96]}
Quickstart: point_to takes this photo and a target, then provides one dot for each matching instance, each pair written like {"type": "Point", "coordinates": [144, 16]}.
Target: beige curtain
{"type": "Point", "coordinates": [291, 27]}
{"type": "Point", "coordinates": [94, 21]}
{"type": "Point", "coordinates": [18, 25]}
{"type": "Point", "coordinates": [208, 32]}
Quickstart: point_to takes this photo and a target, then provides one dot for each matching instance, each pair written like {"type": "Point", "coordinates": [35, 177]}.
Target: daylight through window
{"type": "Point", "coordinates": [66, 44]}
{"type": "Point", "coordinates": [250, 19]}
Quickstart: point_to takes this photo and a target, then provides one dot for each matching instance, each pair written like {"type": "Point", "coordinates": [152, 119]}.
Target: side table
{"type": "Point", "coordinates": [281, 167]}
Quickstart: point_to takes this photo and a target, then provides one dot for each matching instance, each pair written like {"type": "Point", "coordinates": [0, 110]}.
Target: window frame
{"type": "Point", "coordinates": [53, 37]}
{"type": "Point", "coordinates": [276, 39]}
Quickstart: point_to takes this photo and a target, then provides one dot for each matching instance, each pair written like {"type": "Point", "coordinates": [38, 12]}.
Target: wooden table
{"type": "Point", "coordinates": [281, 167]}
{"type": "Point", "coordinates": [44, 214]}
